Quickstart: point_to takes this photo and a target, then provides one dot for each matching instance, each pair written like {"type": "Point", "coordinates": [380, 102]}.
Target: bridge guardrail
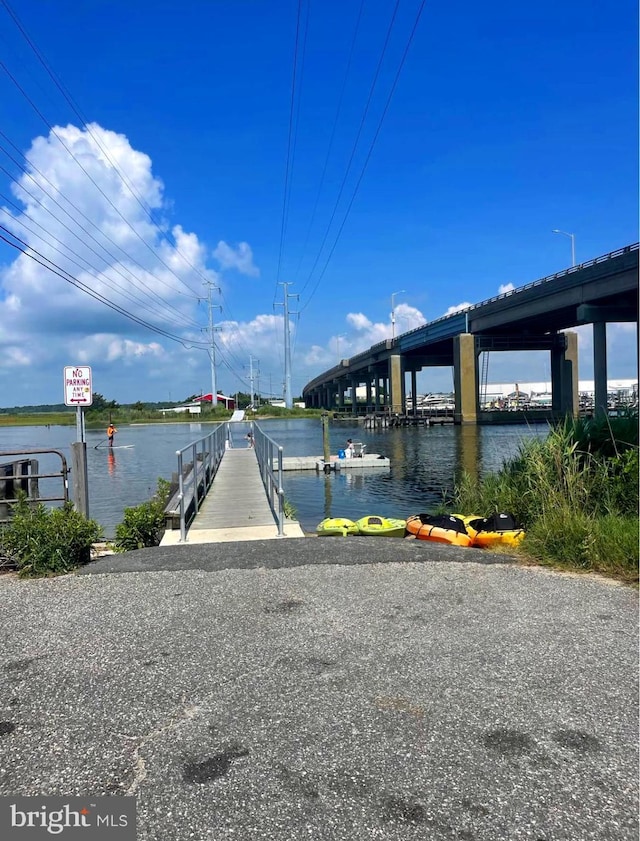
{"type": "Point", "coordinates": [270, 462]}
{"type": "Point", "coordinates": [571, 270]}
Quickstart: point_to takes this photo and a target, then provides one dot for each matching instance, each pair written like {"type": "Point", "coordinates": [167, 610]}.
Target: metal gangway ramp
{"type": "Point", "coordinates": [239, 502]}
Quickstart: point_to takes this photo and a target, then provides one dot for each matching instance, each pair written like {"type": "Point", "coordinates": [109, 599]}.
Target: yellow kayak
{"type": "Point", "coordinates": [336, 527]}
{"type": "Point", "coordinates": [491, 531]}
{"type": "Point", "coordinates": [382, 526]}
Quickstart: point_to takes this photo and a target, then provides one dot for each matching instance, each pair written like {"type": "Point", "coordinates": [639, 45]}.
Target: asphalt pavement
{"type": "Point", "coordinates": [328, 689]}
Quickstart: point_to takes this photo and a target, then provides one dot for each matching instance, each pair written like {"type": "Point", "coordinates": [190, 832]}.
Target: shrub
{"type": "Point", "coordinates": [45, 541]}
{"type": "Point", "coordinates": [143, 525]}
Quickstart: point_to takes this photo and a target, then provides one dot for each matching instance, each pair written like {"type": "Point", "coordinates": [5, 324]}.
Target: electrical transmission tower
{"type": "Point", "coordinates": [288, 401]}
{"type": "Point", "coordinates": [212, 351]}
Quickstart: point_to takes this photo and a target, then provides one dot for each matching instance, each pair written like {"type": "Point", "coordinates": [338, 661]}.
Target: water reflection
{"type": "Point", "coordinates": [424, 464]}
{"type": "Point", "coordinates": [328, 497]}
{"type": "Point", "coordinates": [468, 451]}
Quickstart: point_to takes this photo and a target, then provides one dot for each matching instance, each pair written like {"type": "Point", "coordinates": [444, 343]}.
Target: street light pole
{"type": "Point", "coordinates": [393, 312]}
{"type": "Point", "coordinates": [573, 244]}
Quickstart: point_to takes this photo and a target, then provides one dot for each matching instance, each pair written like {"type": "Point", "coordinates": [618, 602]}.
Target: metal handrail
{"type": "Point", "coordinates": [206, 454]}
{"type": "Point", "coordinates": [270, 461]}
{"type": "Point", "coordinates": [63, 474]}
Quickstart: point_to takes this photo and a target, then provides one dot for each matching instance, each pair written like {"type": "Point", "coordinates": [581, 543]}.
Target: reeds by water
{"type": "Point", "coordinates": [575, 493]}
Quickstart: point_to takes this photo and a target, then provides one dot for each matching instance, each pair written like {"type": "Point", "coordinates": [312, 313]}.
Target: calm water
{"type": "Point", "coordinates": [424, 462]}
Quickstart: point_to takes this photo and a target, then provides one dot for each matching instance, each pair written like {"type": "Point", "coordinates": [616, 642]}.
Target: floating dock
{"type": "Point", "coordinates": [317, 462]}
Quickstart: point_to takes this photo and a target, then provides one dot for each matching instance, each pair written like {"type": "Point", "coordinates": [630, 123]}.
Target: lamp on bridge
{"type": "Point", "coordinates": [573, 243]}
{"type": "Point", "coordinates": [393, 312]}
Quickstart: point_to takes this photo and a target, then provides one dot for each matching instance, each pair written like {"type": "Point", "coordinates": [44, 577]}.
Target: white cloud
{"type": "Point", "coordinates": [505, 287]}
{"type": "Point", "coordinates": [362, 334]}
{"type": "Point", "coordinates": [318, 355]}
{"type": "Point", "coordinates": [458, 307]}
{"type": "Point", "coordinates": [109, 244]}
{"type": "Point", "coordinates": [126, 350]}
{"type": "Point", "coordinates": [239, 258]}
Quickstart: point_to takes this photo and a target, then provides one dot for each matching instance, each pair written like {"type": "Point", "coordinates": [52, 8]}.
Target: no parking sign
{"type": "Point", "coordinates": [77, 386]}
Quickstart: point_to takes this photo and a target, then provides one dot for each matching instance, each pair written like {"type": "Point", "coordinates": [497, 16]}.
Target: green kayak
{"type": "Point", "coordinates": [336, 527]}
{"type": "Point", "coordinates": [381, 526]}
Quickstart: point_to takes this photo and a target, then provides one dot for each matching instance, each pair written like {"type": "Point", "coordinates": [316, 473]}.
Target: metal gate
{"type": "Point", "coordinates": [20, 475]}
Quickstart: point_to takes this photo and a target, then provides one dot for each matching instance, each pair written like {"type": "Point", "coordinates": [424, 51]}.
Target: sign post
{"type": "Point", "coordinates": [78, 392]}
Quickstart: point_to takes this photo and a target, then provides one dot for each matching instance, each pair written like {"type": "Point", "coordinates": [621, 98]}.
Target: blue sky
{"type": "Point", "coordinates": [507, 121]}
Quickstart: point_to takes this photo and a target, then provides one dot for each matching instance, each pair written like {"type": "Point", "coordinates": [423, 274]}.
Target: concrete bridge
{"type": "Point", "coordinates": [528, 318]}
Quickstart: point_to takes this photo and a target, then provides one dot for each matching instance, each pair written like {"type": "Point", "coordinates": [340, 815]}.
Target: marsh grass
{"type": "Point", "coordinates": [575, 493]}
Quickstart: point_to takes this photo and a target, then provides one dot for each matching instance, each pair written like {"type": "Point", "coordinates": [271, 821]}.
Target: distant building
{"type": "Point", "coordinates": [228, 402]}
{"type": "Point", "coordinates": [191, 408]}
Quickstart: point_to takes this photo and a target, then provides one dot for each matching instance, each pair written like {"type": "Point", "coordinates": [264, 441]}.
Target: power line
{"type": "Point", "coordinates": [90, 177]}
{"type": "Point", "coordinates": [355, 143]}
{"type": "Point", "coordinates": [29, 251]}
{"type": "Point", "coordinates": [76, 109]}
{"type": "Point", "coordinates": [369, 153]}
{"type": "Point", "coordinates": [331, 138]}
{"type": "Point", "coordinates": [126, 293]}
{"type": "Point", "coordinates": [286, 172]}
{"type": "Point", "coordinates": [81, 227]}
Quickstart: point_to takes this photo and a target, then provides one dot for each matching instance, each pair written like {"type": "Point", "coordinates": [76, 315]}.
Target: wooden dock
{"type": "Point", "coordinates": [236, 506]}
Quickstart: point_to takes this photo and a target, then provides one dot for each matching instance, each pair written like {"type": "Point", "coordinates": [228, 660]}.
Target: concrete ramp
{"type": "Point", "coordinates": [237, 416]}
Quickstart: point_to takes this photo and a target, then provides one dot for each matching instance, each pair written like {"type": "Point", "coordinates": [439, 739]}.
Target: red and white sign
{"type": "Point", "coordinates": [77, 386]}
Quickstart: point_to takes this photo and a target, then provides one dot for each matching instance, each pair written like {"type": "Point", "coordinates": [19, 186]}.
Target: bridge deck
{"type": "Point", "coordinates": [236, 506]}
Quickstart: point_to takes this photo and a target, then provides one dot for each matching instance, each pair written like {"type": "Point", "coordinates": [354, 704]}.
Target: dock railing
{"type": "Point", "coordinates": [21, 475]}
{"type": "Point", "coordinates": [270, 460]}
{"type": "Point", "coordinates": [195, 478]}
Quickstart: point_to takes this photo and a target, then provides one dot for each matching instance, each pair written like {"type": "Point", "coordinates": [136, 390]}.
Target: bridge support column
{"type": "Point", "coordinates": [396, 378]}
{"type": "Point", "coordinates": [368, 387]}
{"type": "Point", "coordinates": [465, 378]}
{"type": "Point", "coordinates": [354, 394]}
{"type": "Point", "coordinates": [600, 398]}
{"type": "Point", "coordinates": [414, 394]}
{"type": "Point", "coordinates": [376, 396]}
{"type": "Point", "coordinates": [564, 377]}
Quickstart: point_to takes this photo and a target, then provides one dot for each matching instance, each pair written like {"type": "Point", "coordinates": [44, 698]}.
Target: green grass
{"type": "Point", "coordinates": [576, 494]}
{"type": "Point", "coordinates": [41, 419]}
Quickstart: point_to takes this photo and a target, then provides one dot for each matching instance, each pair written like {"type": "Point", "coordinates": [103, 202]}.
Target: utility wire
{"type": "Point", "coordinates": [29, 251]}
{"type": "Point", "coordinates": [368, 157]}
{"type": "Point", "coordinates": [111, 255]}
{"type": "Point", "coordinates": [297, 116]}
{"type": "Point", "coordinates": [355, 143]}
{"type": "Point", "coordinates": [76, 109]}
{"type": "Point", "coordinates": [93, 270]}
{"type": "Point", "coordinates": [82, 228]}
{"type": "Point", "coordinates": [93, 181]}
{"type": "Point", "coordinates": [332, 138]}
{"type": "Point", "coordinates": [289, 143]}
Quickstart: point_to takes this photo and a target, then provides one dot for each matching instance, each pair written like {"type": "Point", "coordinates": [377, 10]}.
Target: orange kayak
{"type": "Point", "coordinates": [439, 528]}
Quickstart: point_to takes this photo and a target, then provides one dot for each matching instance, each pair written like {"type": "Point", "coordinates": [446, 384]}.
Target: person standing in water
{"type": "Point", "coordinates": [111, 431]}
